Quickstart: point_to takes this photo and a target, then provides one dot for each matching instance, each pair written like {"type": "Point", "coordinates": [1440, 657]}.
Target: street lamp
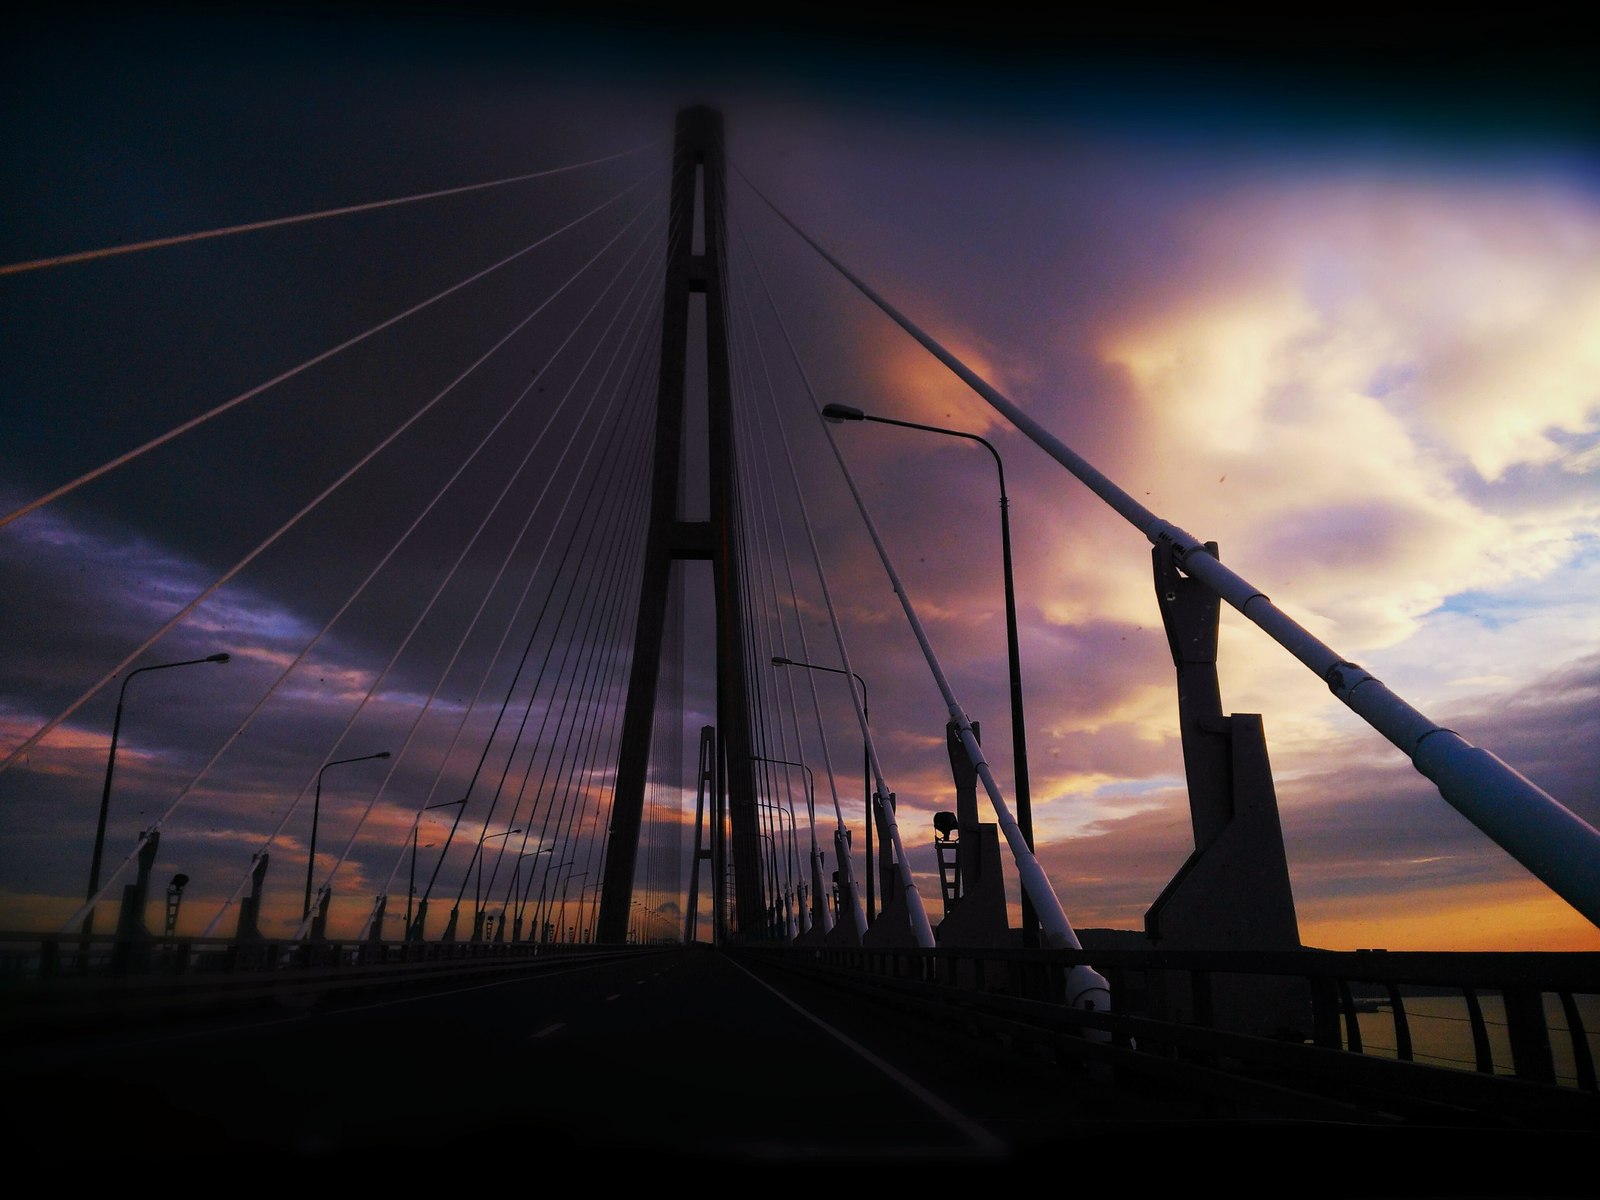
{"type": "Point", "coordinates": [316, 816]}
{"type": "Point", "coordinates": [586, 923]}
{"type": "Point", "coordinates": [477, 886]}
{"type": "Point", "coordinates": [517, 899]}
{"type": "Point", "coordinates": [566, 886]}
{"type": "Point", "coordinates": [866, 761]}
{"type": "Point", "coordinates": [521, 901]}
{"type": "Point", "coordinates": [811, 808]}
{"type": "Point", "coordinates": [1019, 738]}
{"type": "Point", "coordinates": [413, 886]}
{"type": "Point", "coordinates": [541, 915]}
{"type": "Point", "coordinates": [111, 762]}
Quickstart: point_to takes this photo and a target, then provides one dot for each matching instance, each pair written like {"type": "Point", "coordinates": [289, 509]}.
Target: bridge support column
{"type": "Point", "coordinates": [697, 165]}
{"type": "Point", "coordinates": [1233, 892]}
{"type": "Point", "coordinates": [893, 925]}
{"type": "Point", "coordinates": [845, 890]}
{"type": "Point", "coordinates": [249, 929]}
{"type": "Point", "coordinates": [977, 918]}
{"type": "Point", "coordinates": [319, 923]}
{"type": "Point", "coordinates": [133, 935]}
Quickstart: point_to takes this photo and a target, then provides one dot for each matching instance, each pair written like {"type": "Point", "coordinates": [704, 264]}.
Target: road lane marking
{"type": "Point", "coordinates": [548, 1030]}
{"type": "Point", "coordinates": [613, 996]}
{"type": "Point", "coordinates": [974, 1132]}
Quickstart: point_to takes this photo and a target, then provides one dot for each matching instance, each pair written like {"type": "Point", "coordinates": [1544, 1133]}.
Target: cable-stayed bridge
{"type": "Point", "coordinates": [499, 627]}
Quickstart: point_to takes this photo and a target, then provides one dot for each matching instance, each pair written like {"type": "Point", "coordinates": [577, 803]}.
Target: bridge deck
{"type": "Point", "coordinates": [651, 1058]}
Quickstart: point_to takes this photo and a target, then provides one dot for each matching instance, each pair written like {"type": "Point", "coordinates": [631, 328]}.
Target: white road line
{"type": "Point", "coordinates": [974, 1132]}
{"type": "Point", "coordinates": [548, 1030]}
{"type": "Point", "coordinates": [613, 996]}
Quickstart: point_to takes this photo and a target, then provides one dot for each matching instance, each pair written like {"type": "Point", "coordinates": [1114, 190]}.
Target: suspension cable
{"type": "Point", "coordinates": [360, 589]}
{"type": "Point", "coordinates": [603, 670]}
{"type": "Point", "coordinates": [472, 623]}
{"type": "Point", "coordinates": [761, 490]}
{"type": "Point", "coordinates": [287, 815]}
{"type": "Point", "coordinates": [820, 908]}
{"type": "Point", "coordinates": [294, 520]}
{"type": "Point", "coordinates": [918, 914]}
{"type": "Point", "coordinates": [1552, 842]}
{"type": "Point", "coordinates": [553, 525]}
{"type": "Point", "coordinates": [517, 675]}
{"type": "Point", "coordinates": [323, 356]}
{"type": "Point", "coordinates": [600, 436]}
{"type": "Point", "coordinates": [846, 865]}
{"type": "Point", "coordinates": [606, 602]}
{"type": "Point", "coordinates": [60, 260]}
{"type": "Point", "coordinates": [620, 638]}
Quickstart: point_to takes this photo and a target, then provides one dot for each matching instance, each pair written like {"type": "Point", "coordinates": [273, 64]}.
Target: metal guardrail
{"type": "Point", "coordinates": [60, 981]}
{"type": "Point", "coordinates": [1334, 1068]}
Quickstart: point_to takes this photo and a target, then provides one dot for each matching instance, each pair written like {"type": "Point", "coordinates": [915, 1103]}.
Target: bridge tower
{"type": "Point", "coordinates": [696, 219]}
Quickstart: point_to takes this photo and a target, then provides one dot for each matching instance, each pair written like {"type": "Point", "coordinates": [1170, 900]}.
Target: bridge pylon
{"type": "Point", "coordinates": [1233, 891]}
{"type": "Point", "coordinates": [697, 170]}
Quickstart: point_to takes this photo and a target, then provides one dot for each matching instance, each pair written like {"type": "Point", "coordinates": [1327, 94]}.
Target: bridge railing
{"type": "Point", "coordinates": [55, 988]}
{"type": "Point", "coordinates": [1529, 1017]}
{"type": "Point", "coordinates": [104, 959]}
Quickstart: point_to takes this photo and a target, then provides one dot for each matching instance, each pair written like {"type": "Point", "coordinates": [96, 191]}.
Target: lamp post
{"type": "Point", "coordinates": [1019, 738]}
{"type": "Point", "coordinates": [111, 762]}
{"type": "Point", "coordinates": [516, 888]}
{"type": "Point", "coordinates": [412, 891]}
{"type": "Point", "coordinates": [316, 816]}
{"type": "Point", "coordinates": [866, 761]}
{"type": "Point", "coordinates": [541, 915]}
{"type": "Point", "coordinates": [586, 922]}
{"type": "Point", "coordinates": [477, 886]}
{"type": "Point", "coordinates": [565, 887]}
{"type": "Point", "coordinates": [811, 808]}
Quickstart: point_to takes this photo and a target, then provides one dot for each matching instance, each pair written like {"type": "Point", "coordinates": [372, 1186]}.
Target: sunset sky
{"type": "Point", "coordinates": [1334, 306]}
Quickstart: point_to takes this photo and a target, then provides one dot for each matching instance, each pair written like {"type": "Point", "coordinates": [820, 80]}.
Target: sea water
{"type": "Point", "coordinates": [1441, 1032]}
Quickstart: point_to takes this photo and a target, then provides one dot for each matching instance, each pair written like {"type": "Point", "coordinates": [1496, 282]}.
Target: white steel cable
{"type": "Point", "coordinates": [842, 853]}
{"type": "Point", "coordinates": [599, 420]}
{"type": "Point", "coordinates": [553, 525]}
{"type": "Point", "coordinates": [673, 232]}
{"type": "Point", "coordinates": [918, 913]}
{"type": "Point", "coordinates": [1550, 840]}
{"type": "Point", "coordinates": [279, 829]}
{"type": "Point", "coordinates": [499, 500]}
{"type": "Point", "coordinates": [775, 617]}
{"type": "Point", "coordinates": [289, 812]}
{"type": "Point", "coordinates": [360, 589]}
{"type": "Point", "coordinates": [177, 617]}
{"type": "Point", "coordinates": [1053, 919]}
{"type": "Point", "coordinates": [758, 438]}
{"type": "Point", "coordinates": [758, 485]}
{"type": "Point", "coordinates": [847, 869]}
{"type": "Point", "coordinates": [323, 356]}
{"type": "Point", "coordinates": [59, 260]}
